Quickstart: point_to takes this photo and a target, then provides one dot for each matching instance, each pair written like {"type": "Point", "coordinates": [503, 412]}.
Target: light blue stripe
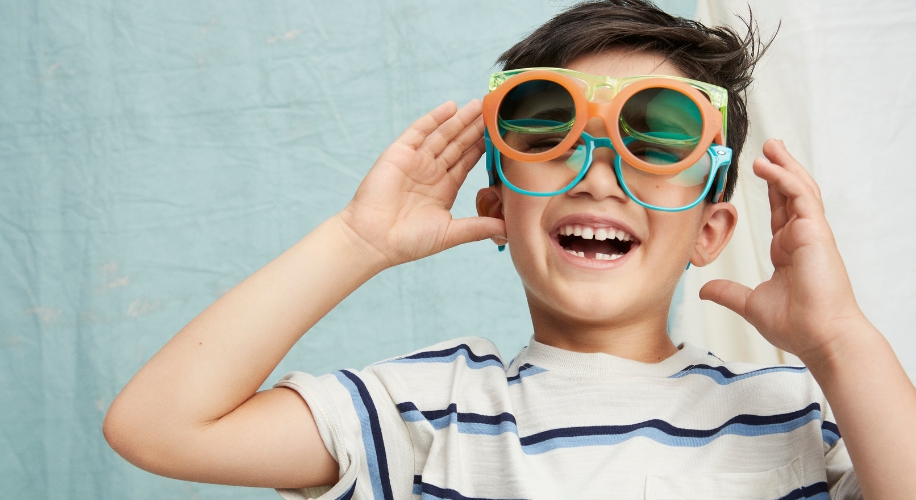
{"type": "Point", "coordinates": [667, 439]}
{"type": "Point", "coordinates": [533, 370]}
{"type": "Point", "coordinates": [820, 496]}
{"type": "Point", "coordinates": [487, 429]}
{"type": "Point", "coordinates": [830, 437]}
{"type": "Point", "coordinates": [366, 429]}
{"type": "Point", "coordinates": [416, 416]}
{"type": "Point", "coordinates": [452, 357]}
{"type": "Point", "coordinates": [723, 380]}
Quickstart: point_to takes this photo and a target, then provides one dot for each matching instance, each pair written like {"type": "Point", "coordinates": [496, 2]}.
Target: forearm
{"type": "Point", "coordinates": [875, 406]}
{"type": "Point", "coordinates": [221, 358]}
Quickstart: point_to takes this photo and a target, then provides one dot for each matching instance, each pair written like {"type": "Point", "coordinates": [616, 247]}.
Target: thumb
{"type": "Point", "coordinates": [727, 294]}
{"type": "Point", "coordinates": [470, 229]}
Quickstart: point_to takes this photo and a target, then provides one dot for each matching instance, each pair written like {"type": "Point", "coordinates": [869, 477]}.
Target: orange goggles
{"type": "Point", "coordinates": [658, 124]}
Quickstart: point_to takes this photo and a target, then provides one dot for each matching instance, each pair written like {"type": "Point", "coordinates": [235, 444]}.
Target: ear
{"type": "Point", "coordinates": [719, 221]}
{"type": "Point", "coordinates": [489, 204]}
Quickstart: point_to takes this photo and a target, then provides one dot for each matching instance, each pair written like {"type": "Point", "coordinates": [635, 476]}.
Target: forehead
{"type": "Point", "coordinates": [619, 63]}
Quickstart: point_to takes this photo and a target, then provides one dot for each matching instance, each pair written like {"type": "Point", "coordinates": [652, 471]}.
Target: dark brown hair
{"type": "Point", "coordinates": [717, 55]}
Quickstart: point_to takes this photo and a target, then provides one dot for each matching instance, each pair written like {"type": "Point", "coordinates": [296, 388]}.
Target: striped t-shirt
{"type": "Point", "coordinates": [454, 421]}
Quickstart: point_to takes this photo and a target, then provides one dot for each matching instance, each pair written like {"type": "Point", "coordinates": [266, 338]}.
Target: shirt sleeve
{"type": "Point", "coordinates": [841, 477]}
{"type": "Point", "coordinates": [362, 429]}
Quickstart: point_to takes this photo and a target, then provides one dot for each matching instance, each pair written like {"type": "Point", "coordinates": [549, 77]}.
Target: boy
{"type": "Point", "coordinates": [601, 221]}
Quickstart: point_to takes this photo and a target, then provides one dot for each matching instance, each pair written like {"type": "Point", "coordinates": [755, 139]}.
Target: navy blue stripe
{"type": "Point", "coordinates": [473, 418]}
{"type": "Point", "coordinates": [809, 491]}
{"type": "Point", "coordinates": [723, 376]}
{"type": "Point", "coordinates": [520, 370]}
{"type": "Point", "coordinates": [571, 437]}
{"type": "Point", "coordinates": [430, 491]}
{"type": "Point", "coordinates": [453, 350]}
{"type": "Point", "coordinates": [661, 425]}
{"type": "Point", "coordinates": [830, 426]}
{"type": "Point", "coordinates": [729, 374]}
{"type": "Point", "coordinates": [830, 433]}
{"type": "Point", "coordinates": [349, 493]}
{"type": "Point", "coordinates": [376, 428]}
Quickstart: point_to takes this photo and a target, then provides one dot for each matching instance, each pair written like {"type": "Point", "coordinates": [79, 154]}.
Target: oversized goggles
{"type": "Point", "coordinates": [668, 134]}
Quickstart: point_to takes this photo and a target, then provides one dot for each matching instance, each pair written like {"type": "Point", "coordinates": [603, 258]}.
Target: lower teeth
{"type": "Point", "coordinates": [598, 256]}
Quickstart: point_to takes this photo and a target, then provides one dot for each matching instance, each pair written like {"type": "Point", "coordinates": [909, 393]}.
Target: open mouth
{"type": "Point", "coordinates": [599, 243]}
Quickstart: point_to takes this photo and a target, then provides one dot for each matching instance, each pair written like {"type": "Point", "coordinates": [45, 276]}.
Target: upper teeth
{"type": "Point", "coordinates": [599, 233]}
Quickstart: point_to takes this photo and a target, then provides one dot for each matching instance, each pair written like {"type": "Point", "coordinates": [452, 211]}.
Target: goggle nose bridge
{"type": "Point", "coordinates": [601, 92]}
{"type": "Point", "coordinates": [604, 111]}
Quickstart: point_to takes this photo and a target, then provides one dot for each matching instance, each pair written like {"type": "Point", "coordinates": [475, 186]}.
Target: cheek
{"type": "Point", "coordinates": [523, 217]}
{"type": "Point", "coordinates": [674, 236]}
{"type": "Point", "coordinates": [527, 237]}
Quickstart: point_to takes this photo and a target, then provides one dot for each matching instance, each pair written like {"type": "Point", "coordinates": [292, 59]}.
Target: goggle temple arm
{"type": "Point", "coordinates": [490, 161]}
{"type": "Point", "coordinates": [724, 156]}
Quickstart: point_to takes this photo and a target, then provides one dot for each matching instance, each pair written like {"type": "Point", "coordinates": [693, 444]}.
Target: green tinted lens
{"type": "Point", "coordinates": [666, 125]}
{"type": "Point", "coordinates": [535, 116]}
{"type": "Point", "coordinates": [545, 176]}
{"type": "Point", "coordinates": [667, 191]}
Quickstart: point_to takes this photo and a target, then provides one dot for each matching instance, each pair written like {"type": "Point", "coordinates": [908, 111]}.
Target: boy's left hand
{"type": "Point", "coordinates": [808, 304]}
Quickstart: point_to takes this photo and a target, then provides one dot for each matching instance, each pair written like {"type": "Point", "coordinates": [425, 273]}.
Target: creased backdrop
{"type": "Point", "coordinates": [152, 155]}
{"type": "Point", "coordinates": [837, 87]}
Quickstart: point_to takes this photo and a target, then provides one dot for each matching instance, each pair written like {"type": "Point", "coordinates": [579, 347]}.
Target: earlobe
{"type": "Point", "coordinates": [719, 221]}
{"type": "Point", "coordinates": [489, 204]}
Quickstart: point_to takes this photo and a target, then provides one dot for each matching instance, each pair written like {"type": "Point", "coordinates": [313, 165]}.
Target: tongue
{"type": "Point", "coordinates": [591, 247]}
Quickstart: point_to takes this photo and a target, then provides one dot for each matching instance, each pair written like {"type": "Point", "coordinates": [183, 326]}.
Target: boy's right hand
{"type": "Point", "coordinates": [400, 212]}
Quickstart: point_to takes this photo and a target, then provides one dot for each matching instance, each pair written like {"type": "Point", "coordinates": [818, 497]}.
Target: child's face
{"type": "Point", "coordinates": [634, 290]}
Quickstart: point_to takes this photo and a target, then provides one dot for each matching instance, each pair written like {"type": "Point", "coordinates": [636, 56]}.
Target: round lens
{"type": "Point", "coordinates": [664, 125]}
{"type": "Point", "coordinates": [535, 116]}
{"type": "Point", "coordinates": [667, 191]}
{"type": "Point", "coordinates": [545, 176]}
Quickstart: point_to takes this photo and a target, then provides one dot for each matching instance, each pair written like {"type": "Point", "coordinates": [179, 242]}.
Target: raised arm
{"type": "Point", "coordinates": [808, 308]}
{"type": "Point", "coordinates": [192, 412]}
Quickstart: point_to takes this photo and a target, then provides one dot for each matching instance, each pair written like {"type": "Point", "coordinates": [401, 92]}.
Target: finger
{"type": "Point", "coordinates": [778, 214]}
{"type": "Point", "coordinates": [471, 229]}
{"type": "Point", "coordinates": [727, 294]}
{"type": "Point", "coordinates": [466, 140]}
{"type": "Point", "coordinates": [775, 150]}
{"type": "Point", "coordinates": [419, 130]}
{"type": "Point", "coordinates": [467, 161]}
{"type": "Point", "coordinates": [452, 128]}
{"type": "Point", "coordinates": [800, 198]}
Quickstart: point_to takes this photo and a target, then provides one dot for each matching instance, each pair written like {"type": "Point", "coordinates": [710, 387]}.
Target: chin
{"type": "Point", "coordinates": [591, 304]}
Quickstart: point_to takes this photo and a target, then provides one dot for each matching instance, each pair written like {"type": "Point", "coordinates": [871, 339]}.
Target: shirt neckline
{"type": "Point", "coordinates": [599, 364]}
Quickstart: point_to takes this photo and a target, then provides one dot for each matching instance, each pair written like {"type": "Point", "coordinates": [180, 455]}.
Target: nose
{"type": "Point", "coordinates": [600, 181]}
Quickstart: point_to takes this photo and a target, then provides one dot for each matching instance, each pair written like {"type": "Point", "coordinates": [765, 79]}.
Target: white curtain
{"type": "Point", "coordinates": [839, 87]}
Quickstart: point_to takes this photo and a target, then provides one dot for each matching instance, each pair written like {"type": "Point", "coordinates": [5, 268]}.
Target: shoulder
{"type": "Point", "coordinates": [456, 371]}
{"type": "Point", "coordinates": [475, 352]}
{"type": "Point", "coordinates": [720, 372]}
{"type": "Point", "coordinates": [769, 385]}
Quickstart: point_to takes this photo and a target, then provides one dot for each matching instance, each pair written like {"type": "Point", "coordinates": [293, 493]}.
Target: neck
{"type": "Point", "coordinates": [645, 340]}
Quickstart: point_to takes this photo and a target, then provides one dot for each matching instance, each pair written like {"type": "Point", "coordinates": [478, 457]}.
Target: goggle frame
{"type": "Point", "coordinates": [711, 100]}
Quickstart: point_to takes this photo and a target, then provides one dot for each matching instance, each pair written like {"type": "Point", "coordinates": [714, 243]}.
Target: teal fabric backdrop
{"type": "Point", "coordinates": [154, 154]}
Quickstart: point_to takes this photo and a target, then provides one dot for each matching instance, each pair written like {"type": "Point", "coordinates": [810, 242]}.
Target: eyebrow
{"type": "Point", "coordinates": [559, 114]}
